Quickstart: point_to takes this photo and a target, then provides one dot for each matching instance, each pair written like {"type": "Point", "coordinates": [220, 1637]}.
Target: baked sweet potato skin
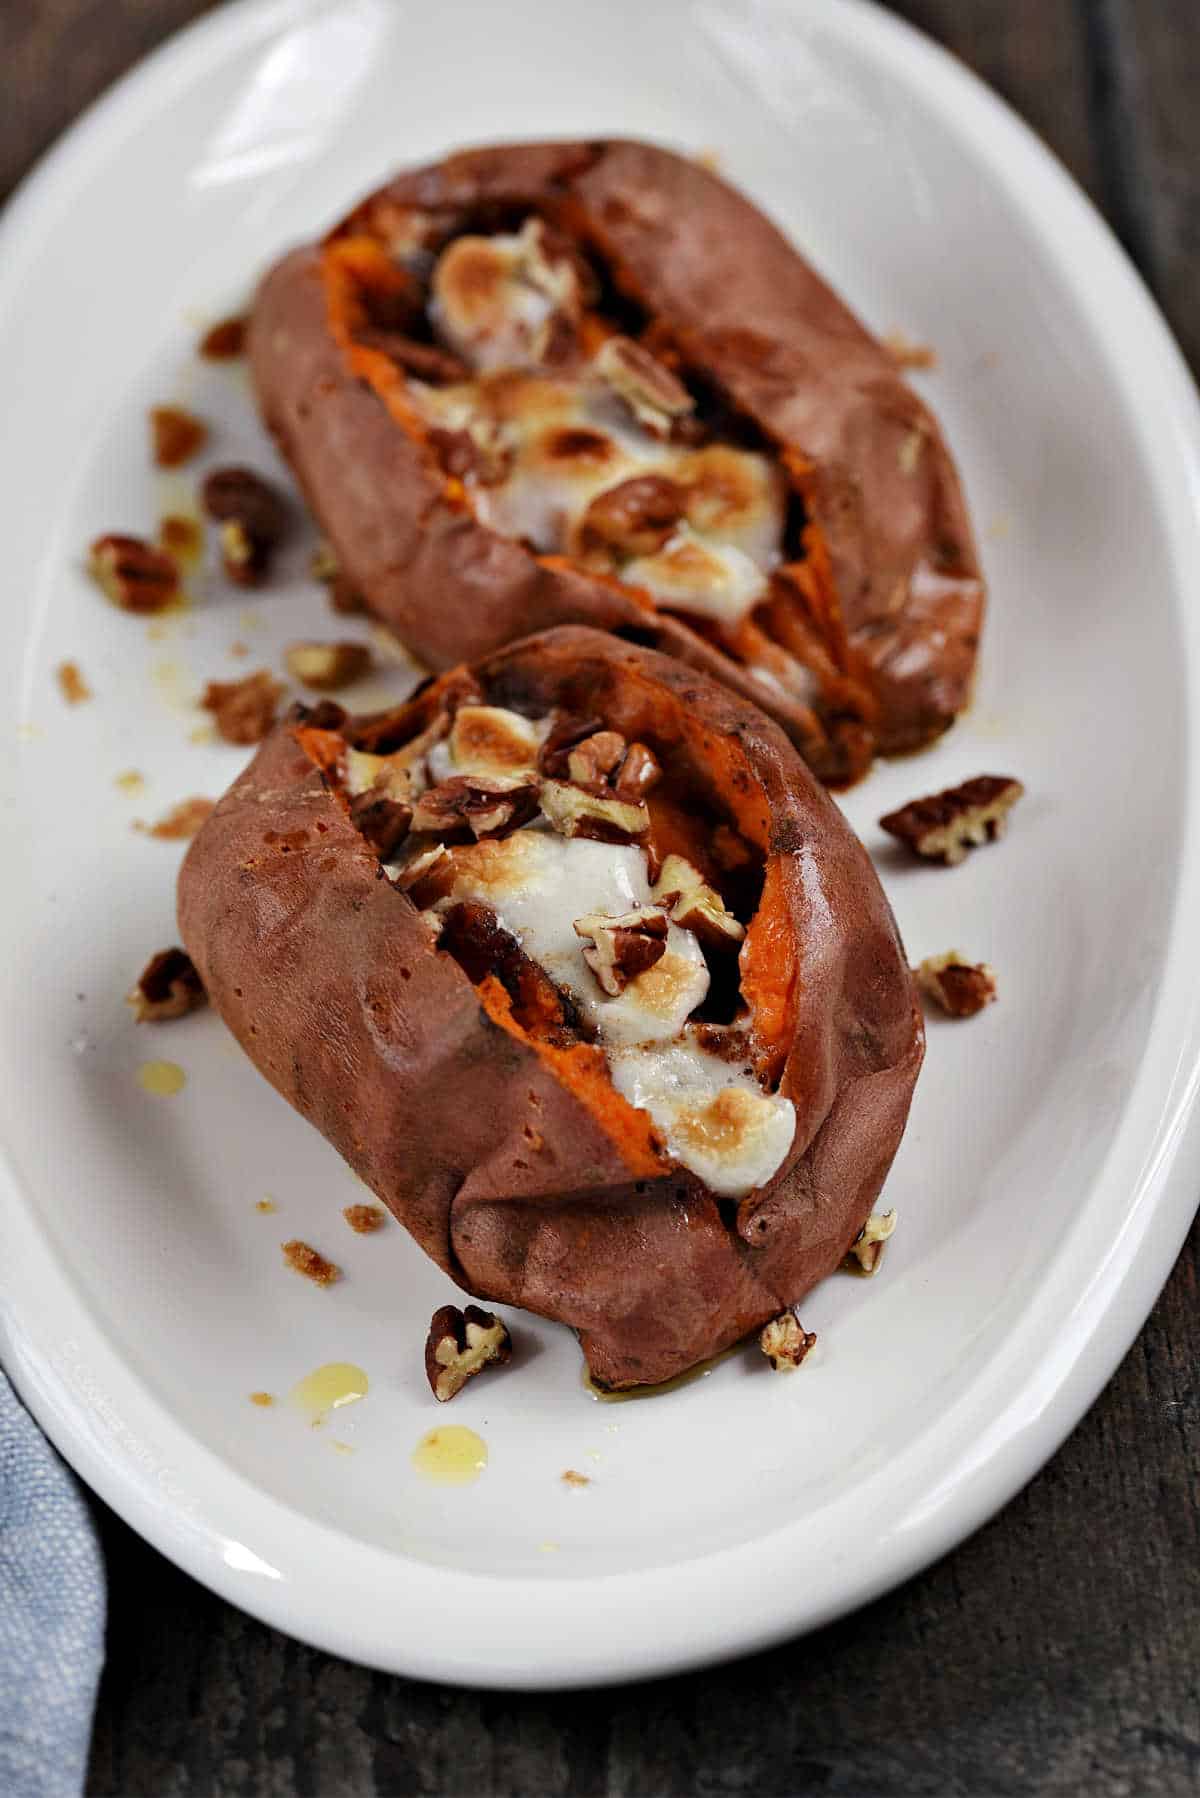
{"type": "Point", "coordinates": [900, 596]}
{"type": "Point", "coordinates": [331, 983]}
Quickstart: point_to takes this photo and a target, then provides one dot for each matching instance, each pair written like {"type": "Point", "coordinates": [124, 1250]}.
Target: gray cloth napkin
{"type": "Point", "coordinates": [51, 1613]}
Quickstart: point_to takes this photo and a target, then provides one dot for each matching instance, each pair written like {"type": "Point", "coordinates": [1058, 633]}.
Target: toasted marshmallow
{"type": "Point", "coordinates": [692, 575]}
{"type": "Point", "coordinates": [714, 1119]}
{"type": "Point", "coordinates": [487, 739]}
{"type": "Point", "coordinates": [493, 297]}
{"type": "Point", "coordinates": [734, 497]}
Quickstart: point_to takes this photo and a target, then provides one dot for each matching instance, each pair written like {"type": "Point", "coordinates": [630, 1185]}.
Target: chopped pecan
{"type": "Point", "coordinates": [176, 435]}
{"type": "Point", "coordinates": [136, 576]}
{"type": "Point", "coordinates": [572, 1477]}
{"type": "Point", "coordinates": [682, 890]}
{"type": "Point", "coordinates": [244, 709]}
{"type": "Point", "coordinates": [478, 455]}
{"type": "Point", "coordinates": [382, 821]}
{"type": "Point", "coordinates": [182, 822]}
{"type": "Point", "coordinates": [253, 519]}
{"type": "Point", "coordinates": [168, 987]}
{"type": "Point", "coordinates": [427, 361]}
{"type": "Point", "coordinates": [461, 1344]}
{"type": "Point", "coordinates": [867, 1247]}
{"type": "Point", "coordinates": [638, 773]}
{"type": "Point", "coordinates": [591, 762]}
{"type": "Point", "coordinates": [326, 667]}
{"type": "Point", "coordinates": [224, 341]}
{"type": "Point", "coordinates": [71, 683]}
{"type": "Point", "coordinates": [634, 518]}
{"type": "Point", "coordinates": [653, 394]}
{"type": "Point", "coordinates": [310, 1262]}
{"type": "Point", "coordinates": [945, 825]}
{"type": "Point", "coordinates": [960, 987]}
{"type": "Point", "coordinates": [427, 876]}
{"type": "Point", "coordinates": [566, 729]}
{"type": "Point", "coordinates": [622, 947]}
{"type": "Point", "coordinates": [785, 1342]}
{"type": "Point", "coordinates": [574, 812]}
{"type": "Point", "coordinates": [488, 804]}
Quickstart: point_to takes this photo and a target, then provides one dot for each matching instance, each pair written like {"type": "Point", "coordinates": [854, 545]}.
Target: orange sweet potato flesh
{"type": "Point", "coordinates": [892, 594]}
{"type": "Point", "coordinates": [513, 1162]}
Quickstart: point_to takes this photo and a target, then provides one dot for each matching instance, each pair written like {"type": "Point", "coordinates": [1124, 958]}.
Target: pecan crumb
{"type": "Point", "coordinates": [168, 987]}
{"type": "Point", "coordinates": [181, 823]}
{"type": "Point", "coordinates": [490, 805]}
{"type": "Point", "coordinates": [364, 1220]}
{"type": "Point", "coordinates": [461, 1344]}
{"type": "Point", "coordinates": [223, 341]}
{"type": "Point", "coordinates": [71, 683]}
{"type": "Point", "coordinates": [653, 394]}
{"type": "Point", "coordinates": [960, 987]}
{"type": "Point", "coordinates": [244, 710]}
{"type": "Point", "coordinates": [571, 1478]}
{"type": "Point", "coordinates": [176, 435]}
{"type": "Point", "coordinates": [308, 1261]}
{"type": "Point", "coordinates": [327, 667]}
{"type": "Point", "coordinates": [574, 812]}
{"type": "Point", "coordinates": [682, 890]}
{"type": "Point", "coordinates": [945, 825]}
{"type": "Point", "coordinates": [907, 354]}
{"type": "Point", "coordinates": [622, 947]}
{"type": "Point", "coordinates": [136, 576]}
{"type": "Point", "coordinates": [785, 1342]}
{"type": "Point", "coordinates": [262, 1398]}
{"type": "Point", "coordinates": [253, 519]}
{"type": "Point", "coordinates": [867, 1248]}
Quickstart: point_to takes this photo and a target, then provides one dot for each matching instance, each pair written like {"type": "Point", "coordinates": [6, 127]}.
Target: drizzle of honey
{"type": "Point", "coordinates": [701, 1371]}
{"type": "Point", "coordinates": [162, 1078]}
{"type": "Point", "coordinates": [328, 1388]}
{"type": "Point", "coordinates": [452, 1455]}
{"type": "Point", "coordinates": [266, 1206]}
{"type": "Point", "coordinates": [261, 1398]}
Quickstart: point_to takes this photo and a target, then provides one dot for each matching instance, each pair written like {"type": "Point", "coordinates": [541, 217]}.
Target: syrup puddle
{"type": "Point", "coordinates": [452, 1455]}
{"type": "Point", "coordinates": [327, 1389]}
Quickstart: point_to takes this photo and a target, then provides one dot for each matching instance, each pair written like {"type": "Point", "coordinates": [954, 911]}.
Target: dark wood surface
{"type": "Point", "coordinates": [1058, 1651]}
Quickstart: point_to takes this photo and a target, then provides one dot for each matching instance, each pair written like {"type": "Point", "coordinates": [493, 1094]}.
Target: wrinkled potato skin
{"type": "Point", "coordinates": [702, 261]}
{"type": "Point", "coordinates": [329, 980]}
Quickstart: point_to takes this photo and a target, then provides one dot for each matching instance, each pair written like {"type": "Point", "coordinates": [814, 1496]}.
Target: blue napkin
{"type": "Point", "coordinates": [51, 1613]}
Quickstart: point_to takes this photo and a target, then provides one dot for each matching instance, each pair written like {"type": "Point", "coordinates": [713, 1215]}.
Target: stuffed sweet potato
{"type": "Point", "coordinates": [591, 383]}
{"type": "Point", "coordinates": [584, 974]}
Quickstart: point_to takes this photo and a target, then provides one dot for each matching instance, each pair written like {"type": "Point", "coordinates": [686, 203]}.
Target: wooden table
{"type": "Point", "coordinates": [1059, 1650]}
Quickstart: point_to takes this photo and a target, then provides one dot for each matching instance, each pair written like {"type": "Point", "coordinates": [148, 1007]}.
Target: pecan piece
{"type": "Point", "coordinates": [566, 730]}
{"type": "Point", "coordinates": [182, 822]}
{"type": "Point", "coordinates": [461, 1344]}
{"type": "Point", "coordinates": [382, 821]}
{"type": "Point", "coordinates": [427, 361]}
{"type": "Point", "coordinates": [682, 890]}
{"type": "Point", "coordinates": [622, 947]}
{"type": "Point", "coordinates": [244, 709]}
{"type": "Point", "coordinates": [364, 1220]}
{"type": "Point", "coordinates": [176, 435]}
{"type": "Point", "coordinates": [574, 812]}
{"type": "Point", "coordinates": [326, 667]}
{"type": "Point", "coordinates": [136, 576]}
{"type": "Point", "coordinates": [653, 394]}
{"type": "Point", "coordinates": [253, 519]}
{"type": "Point", "coordinates": [427, 877]}
{"type": "Point", "coordinates": [591, 762]}
{"type": "Point", "coordinates": [867, 1247]}
{"type": "Point", "coordinates": [71, 683]}
{"type": "Point", "coordinates": [639, 772]}
{"type": "Point", "coordinates": [785, 1342]}
{"type": "Point", "coordinates": [310, 1262]}
{"type": "Point", "coordinates": [167, 987]}
{"type": "Point", "coordinates": [634, 518]}
{"type": "Point", "coordinates": [223, 341]}
{"type": "Point", "coordinates": [488, 805]}
{"type": "Point", "coordinates": [960, 987]}
{"type": "Point", "coordinates": [945, 825]}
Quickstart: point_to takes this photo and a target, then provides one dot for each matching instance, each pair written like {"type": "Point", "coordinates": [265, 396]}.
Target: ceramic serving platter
{"type": "Point", "coordinates": [1051, 1164]}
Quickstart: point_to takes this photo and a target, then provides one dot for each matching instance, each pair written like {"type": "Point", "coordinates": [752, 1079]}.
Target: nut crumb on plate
{"type": "Point", "coordinates": [181, 536]}
{"type": "Point", "coordinates": [262, 1398]}
{"type": "Point", "coordinates": [461, 1344]}
{"type": "Point", "coordinates": [181, 823]}
{"type": "Point", "coordinates": [265, 1206]}
{"type": "Point", "coordinates": [961, 988]}
{"type": "Point", "coordinates": [71, 683]}
{"type": "Point", "coordinates": [365, 1219]}
{"type": "Point", "coordinates": [253, 518]}
{"type": "Point", "coordinates": [168, 987]}
{"type": "Point", "coordinates": [907, 354]}
{"type": "Point", "coordinates": [310, 1262]}
{"type": "Point", "coordinates": [176, 435]}
{"type": "Point", "coordinates": [571, 1478]}
{"type": "Point", "coordinates": [224, 341]}
{"type": "Point", "coordinates": [245, 709]}
{"type": "Point", "coordinates": [133, 573]}
{"type": "Point", "coordinates": [945, 825]}
{"type": "Point", "coordinates": [785, 1342]}
{"type": "Point", "coordinates": [866, 1251]}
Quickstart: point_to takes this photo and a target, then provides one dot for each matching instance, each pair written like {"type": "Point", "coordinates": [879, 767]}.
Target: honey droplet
{"type": "Point", "coordinates": [328, 1388]}
{"type": "Point", "coordinates": [452, 1455]}
{"type": "Point", "coordinates": [266, 1206]}
{"type": "Point", "coordinates": [162, 1078]}
{"type": "Point", "coordinates": [131, 781]}
{"type": "Point", "coordinates": [261, 1398]}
